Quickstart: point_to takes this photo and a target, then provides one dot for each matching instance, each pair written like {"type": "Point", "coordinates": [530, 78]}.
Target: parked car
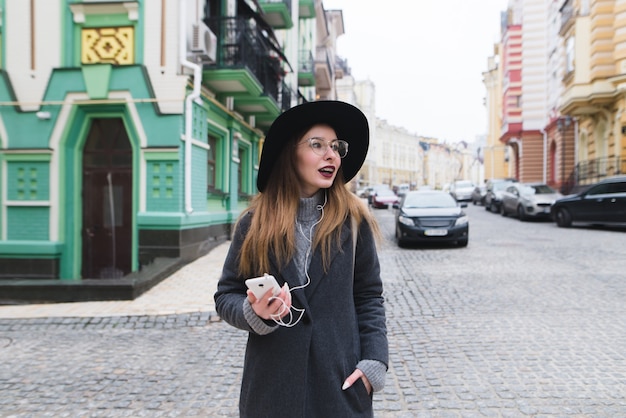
{"type": "Point", "coordinates": [461, 190]}
{"type": "Point", "coordinates": [478, 194]}
{"type": "Point", "coordinates": [604, 203]}
{"type": "Point", "coordinates": [431, 216]}
{"type": "Point", "coordinates": [371, 191]}
{"type": "Point", "coordinates": [362, 192]}
{"type": "Point", "coordinates": [382, 198]}
{"type": "Point", "coordinates": [528, 200]}
{"type": "Point", "coordinates": [493, 197]}
{"type": "Point", "coordinates": [402, 189]}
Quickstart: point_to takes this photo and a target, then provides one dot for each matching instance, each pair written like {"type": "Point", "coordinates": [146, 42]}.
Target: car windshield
{"type": "Point", "coordinates": [501, 185]}
{"type": "Point", "coordinates": [464, 184]}
{"type": "Point", "coordinates": [539, 189]}
{"type": "Point", "coordinates": [429, 200]}
{"type": "Point", "coordinates": [385, 192]}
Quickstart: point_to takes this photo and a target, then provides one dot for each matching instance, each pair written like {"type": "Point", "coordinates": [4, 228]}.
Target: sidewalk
{"type": "Point", "coordinates": [190, 289]}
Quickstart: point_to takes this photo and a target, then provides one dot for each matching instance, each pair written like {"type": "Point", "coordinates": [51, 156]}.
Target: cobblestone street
{"type": "Point", "coordinates": [527, 321]}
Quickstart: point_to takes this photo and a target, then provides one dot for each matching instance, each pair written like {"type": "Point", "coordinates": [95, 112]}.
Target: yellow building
{"type": "Point", "coordinates": [495, 155]}
{"type": "Point", "coordinates": [593, 102]}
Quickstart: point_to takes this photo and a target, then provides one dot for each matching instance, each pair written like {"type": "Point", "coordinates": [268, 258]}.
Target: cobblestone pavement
{"type": "Point", "coordinates": [528, 321]}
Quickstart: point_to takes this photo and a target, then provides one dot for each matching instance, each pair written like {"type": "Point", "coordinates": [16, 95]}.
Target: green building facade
{"type": "Point", "coordinates": [130, 131]}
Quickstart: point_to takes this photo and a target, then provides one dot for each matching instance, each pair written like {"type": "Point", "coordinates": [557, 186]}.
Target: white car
{"type": "Point", "coordinates": [528, 200]}
{"type": "Point", "coordinates": [461, 190]}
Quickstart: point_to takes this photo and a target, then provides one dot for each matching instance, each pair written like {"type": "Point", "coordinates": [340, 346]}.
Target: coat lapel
{"type": "Point", "coordinates": [290, 273]}
{"type": "Point", "coordinates": [316, 269]}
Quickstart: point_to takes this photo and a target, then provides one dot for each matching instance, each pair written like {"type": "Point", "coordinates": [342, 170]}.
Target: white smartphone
{"type": "Point", "coordinates": [260, 285]}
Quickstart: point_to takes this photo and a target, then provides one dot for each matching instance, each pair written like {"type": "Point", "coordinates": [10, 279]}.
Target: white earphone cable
{"type": "Point", "coordinates": [277, 317]}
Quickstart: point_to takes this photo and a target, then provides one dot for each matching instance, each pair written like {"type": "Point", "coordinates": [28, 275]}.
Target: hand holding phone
{"type": "Point", "coordinates": [260, 285]}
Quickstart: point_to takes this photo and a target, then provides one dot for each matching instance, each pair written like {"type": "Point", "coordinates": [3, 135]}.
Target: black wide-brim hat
{"type": "Point", "coordinates": [349, 123]}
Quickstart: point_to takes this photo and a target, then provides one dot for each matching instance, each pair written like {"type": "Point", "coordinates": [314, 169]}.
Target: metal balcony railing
{"type": "Point", "coordinates": [285, 97]}
{"type": "Point", "coordinates": [592, 171]}
{"type": "Point", "coordinates": [568, 14]}
{"type": "Point", "coordinates": [286, 2]}
{"type": "Point", "coordinates": [322, 61]}
{"type": "Point", "coordinates": [241, 44]}
{"type": "Point", "coordinates": [306, 62]}
{"type": "Point", "coordinates": [342, 63]}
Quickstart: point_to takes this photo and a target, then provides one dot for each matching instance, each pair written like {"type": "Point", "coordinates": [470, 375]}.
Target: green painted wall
{"type": "Point", "coordinates": [164, 186]}
{"type": "Point", "coordinates": [28, 223]}
{"type": "Point", "coordinates": [29, 180]}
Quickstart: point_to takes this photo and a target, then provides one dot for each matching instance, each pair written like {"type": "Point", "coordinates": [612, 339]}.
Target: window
{"type": "Point", "coordinates": [600, 189]}
{"type": "Point", "coordinates": [242, 170]}
{"type": "Point", "coordinates": [212, 164]}
{"type": "Point", "coordinates": [584, 7]}
{"type": "Point", "coordinates": [618, 187]}
{"type": "Point", "coordinates": [569, 55]}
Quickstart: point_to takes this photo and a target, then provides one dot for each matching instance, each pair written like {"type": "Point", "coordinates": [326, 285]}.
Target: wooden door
{"type": "Point", "coordinates": [107, 201]}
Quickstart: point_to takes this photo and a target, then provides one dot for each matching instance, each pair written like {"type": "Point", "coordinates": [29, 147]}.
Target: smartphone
{"type": "Point", "coordinates": [260, 285]}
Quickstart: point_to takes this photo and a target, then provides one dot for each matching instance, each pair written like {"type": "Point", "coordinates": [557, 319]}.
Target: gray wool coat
{"type": "Point", "coordinates": [299, 371]}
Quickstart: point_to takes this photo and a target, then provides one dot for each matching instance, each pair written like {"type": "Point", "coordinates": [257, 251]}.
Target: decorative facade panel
{"type": "Point", "coordinates": [108, 46]}
{"type": "Point", "coordinates": [30, 181]}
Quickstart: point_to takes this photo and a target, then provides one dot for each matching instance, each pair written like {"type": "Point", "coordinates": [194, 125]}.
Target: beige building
{"type": "Point", "coordinates": [402, 159]}
{"type": "Point", "coordinates": [595, 82]}
{"type": "Point", "coordinates": [584, 125]}
{"type": "Point", "coordinates": [495, 154]}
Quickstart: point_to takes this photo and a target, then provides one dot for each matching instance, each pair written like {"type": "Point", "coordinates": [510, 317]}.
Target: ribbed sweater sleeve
{"type": "Point", "coordinates": [375, 371]}
{"type": "Point", "coordinates": [257, 323]}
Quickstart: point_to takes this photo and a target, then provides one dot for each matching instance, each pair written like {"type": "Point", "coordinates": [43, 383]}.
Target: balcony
{"type": "Point", "coordinates": [341, 67]}
{"type": "Point", "coordinates": [306, 69]}
{"type": "Point", "coordinates": [307, 9]}
{"type": "Point", "coordinates": [323, 69]}
{"type": "Point", "coordinates": [277, 13]}
{"type": "Point", "coordinates": [246, 68]}
{"type": "Point", "coordinates": [591, 171]}
{"type": "Point", "coordinates": [587, 98]}
{"type": "Point", "coordinates": [568, 17]}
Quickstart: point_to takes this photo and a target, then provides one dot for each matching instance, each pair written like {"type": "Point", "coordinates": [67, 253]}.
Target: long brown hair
{"type": "Point", "coordinates": [273, 224]}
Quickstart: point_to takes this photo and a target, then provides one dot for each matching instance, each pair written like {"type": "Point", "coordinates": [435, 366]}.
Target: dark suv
{"type": "Point", "coordinates": [493, 196]}
{"type": "Point", "coordinates": [603, 203]}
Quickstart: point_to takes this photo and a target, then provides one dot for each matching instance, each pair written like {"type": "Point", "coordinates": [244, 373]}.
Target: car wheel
{"type": "Point", "coordinates": [563, 218]}
{"type": "Point", "coordinates": [521, 213]}
{"type": "Point", "coordinates": [399, 239]}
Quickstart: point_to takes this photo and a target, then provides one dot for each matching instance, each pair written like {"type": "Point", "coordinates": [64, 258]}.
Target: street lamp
{"type": "Point", "coordinates": [562, 124]}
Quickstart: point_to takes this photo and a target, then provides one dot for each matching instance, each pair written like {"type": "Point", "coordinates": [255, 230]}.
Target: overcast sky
{"type": "Point", "coordinates": [426, 58]}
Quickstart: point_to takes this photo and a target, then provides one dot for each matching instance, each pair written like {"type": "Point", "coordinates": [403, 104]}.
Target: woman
{"type": "Point", "coordinates": [319, 348]}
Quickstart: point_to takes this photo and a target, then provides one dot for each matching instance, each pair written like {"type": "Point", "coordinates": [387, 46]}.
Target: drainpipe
{"type": "Point", "coordinates": [545, 155]}
{"type": "Point", "coordinates": [576, 147]}
{"type": "Point", "coordinates": [195, 94]}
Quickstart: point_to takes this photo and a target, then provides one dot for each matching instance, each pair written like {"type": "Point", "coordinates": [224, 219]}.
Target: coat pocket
{"type": "Point", "coordinates": [359, 400]}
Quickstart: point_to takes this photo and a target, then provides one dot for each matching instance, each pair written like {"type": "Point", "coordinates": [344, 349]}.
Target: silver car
{"type": "Point", "coordinates": [461, 190]}
{"type": "Point", "coordinates": [528, 200]}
